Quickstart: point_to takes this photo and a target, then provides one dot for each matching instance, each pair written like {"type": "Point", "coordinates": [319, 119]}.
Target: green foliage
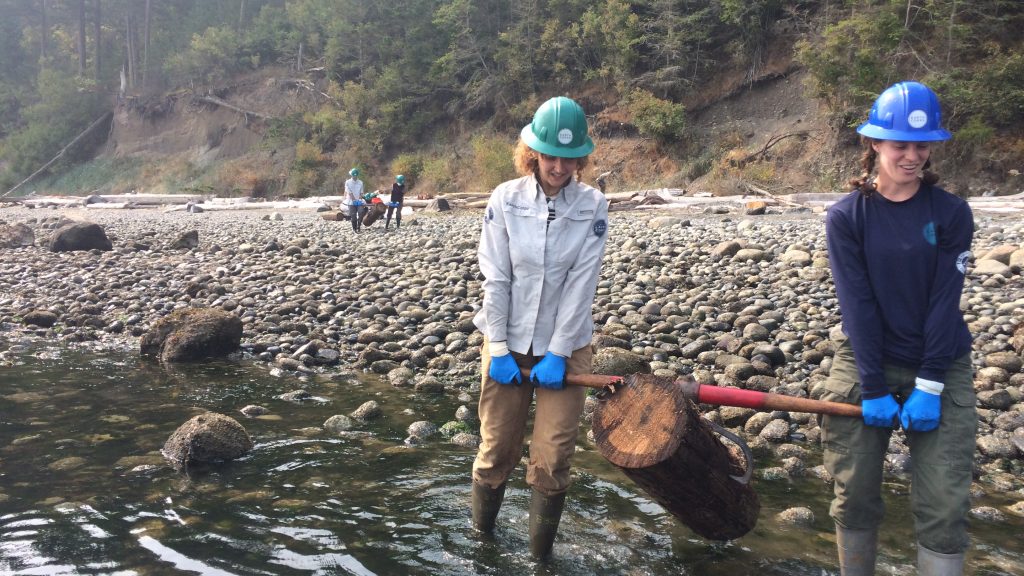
{"type": "Point", "coordinates": [437, 174]}
{"type": "Point", "coordinates": [66, 106]}
{"type": "Point", "coordinates": [492, 160]}
{"type": "Point", "coordinates": [970, 138]}
{"type": "Point", "coordinates": [211, 56]}
{"type": "Point", "coordinates": [105, 176]}
{"type": "Point", "coordinates": [852, 63]}
{"type": "Point", "coordinates": [409, 165]}
{"type": "Point", "coordinates": [656, 118]}
{"type": "Point", "coordinates": [453, 427]}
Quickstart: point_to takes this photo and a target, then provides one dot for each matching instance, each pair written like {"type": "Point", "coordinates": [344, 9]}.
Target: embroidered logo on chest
{"type": "Point", "coordinates": [929, 233]}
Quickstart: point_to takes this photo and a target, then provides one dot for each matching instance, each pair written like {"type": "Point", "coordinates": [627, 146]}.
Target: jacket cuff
{"type": "Point", "coordinates": [929, 386]}
{"type": "Point", "coordinates": [561, 347]}
{"type": "Point", "coordinates": [497, 348]}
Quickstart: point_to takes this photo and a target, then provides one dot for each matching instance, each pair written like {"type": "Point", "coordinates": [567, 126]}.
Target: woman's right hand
{"type": "Point", "coordinates": [504, 370]}
{"type": "Point", "coordinates": [880, 412]}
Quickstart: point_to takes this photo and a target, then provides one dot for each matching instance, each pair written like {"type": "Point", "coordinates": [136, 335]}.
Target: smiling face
{"type": "Point", "coordinates": [554, 172]}
{"type": "Point", "coordinates": [900, 165]}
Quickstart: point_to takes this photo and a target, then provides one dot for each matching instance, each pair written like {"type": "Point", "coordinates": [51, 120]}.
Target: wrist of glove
{"type": "Point", "coordinates": [549, 372]}
{"type": "Point", "coordinates": [923, 409]}
{"type": "Point", "coordinates": [504, 370]}
{"type": "Point", "coordinates": [881, 412]}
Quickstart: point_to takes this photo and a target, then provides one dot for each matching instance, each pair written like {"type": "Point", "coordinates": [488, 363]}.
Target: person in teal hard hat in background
{"type": "Point", "coordinates": [354, 199]}
{"type": "Point", "coordinates": [540, 253]}
{"type": "Point", "coordinates": [898, 247]}
{"type": "Point", "coordinates": [396, 202]}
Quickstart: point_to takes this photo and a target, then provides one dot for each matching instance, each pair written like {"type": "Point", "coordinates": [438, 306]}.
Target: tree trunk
{"type": "Point", "coordinates": [653, 433]}
{"type": "Point", "coordinates": [241, 15]}
{"type": "Point", "coordinates": [81, 37]}
{"type": "Point", "coordinates": [129, 45]}
{"type": "Point", "coordinates": [44, 31]}
{"type": "Point", "coordinates": [97, 38]}
{"type": "Point", "coordinates": [145, 46]}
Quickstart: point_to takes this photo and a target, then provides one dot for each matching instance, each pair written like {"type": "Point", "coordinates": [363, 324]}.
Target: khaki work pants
{"type": "Point", "coordinates": [503, 412]}
{"type": "Point", "coordinates": [941, 459]}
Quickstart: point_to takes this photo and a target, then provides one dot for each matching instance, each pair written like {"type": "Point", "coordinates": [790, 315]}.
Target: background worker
{"type": "Point", "coordinates": [396, 202]}
{"type": "Point", "coordinates": [898, 246]}
{"type": "Point", "coordinates": [540, 252]}
{"type": "Point", "coordinates": [354, 198]}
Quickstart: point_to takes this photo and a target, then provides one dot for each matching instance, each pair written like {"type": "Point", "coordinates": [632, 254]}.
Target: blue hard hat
{"type": "Point", "coordinates": [907, 112]}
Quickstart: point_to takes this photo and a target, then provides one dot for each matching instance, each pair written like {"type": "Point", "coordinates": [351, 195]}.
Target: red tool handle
{"type": "Point", "coordinates": [706, 394]}
{"type": "Point", "coordinates": [766, 401]}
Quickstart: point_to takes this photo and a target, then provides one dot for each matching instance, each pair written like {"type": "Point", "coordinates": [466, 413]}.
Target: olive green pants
{"type": "Point", "coordinates": [503, 411]}
{"type": "Point", "coordinates": [941, 459]}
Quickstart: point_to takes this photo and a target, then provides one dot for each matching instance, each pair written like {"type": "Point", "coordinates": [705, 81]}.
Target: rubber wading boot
{"type": "Point", "coordinates": [486, 503]}
{"type": "Point", "coordinates": [857, 551]}
{"type": "Point", "coordinates": [545, 512]}
{"type": "Point", "coordinates": [931, 563]}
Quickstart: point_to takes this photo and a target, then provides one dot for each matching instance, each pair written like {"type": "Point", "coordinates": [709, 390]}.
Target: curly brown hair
{"type": "Point", "coordinates": [526, 161]}
{"type": "Point", "coordinates": [866, 183]}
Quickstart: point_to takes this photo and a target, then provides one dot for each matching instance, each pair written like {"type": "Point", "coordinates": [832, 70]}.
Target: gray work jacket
{"type": "Point", "coordinates": [540, 278]}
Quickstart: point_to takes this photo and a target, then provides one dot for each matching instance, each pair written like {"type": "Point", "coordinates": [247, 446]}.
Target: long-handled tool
{"type": "Point", "coordinates": [707, 394]}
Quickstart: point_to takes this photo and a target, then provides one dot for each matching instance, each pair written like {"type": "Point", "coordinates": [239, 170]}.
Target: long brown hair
{"type": "Point", "coordinates": [526, 161]}
{"type": "Point", "coordinates": [866, 182]}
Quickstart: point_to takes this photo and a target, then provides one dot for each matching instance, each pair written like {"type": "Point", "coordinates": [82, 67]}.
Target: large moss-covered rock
{"type": "Point", "coordinates": [205, 439]}
{"type": "Point", "coordinates": [193, 334]}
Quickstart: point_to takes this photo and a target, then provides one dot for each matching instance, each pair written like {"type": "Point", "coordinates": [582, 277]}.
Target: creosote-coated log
{"type": "Point", "coordinates": [650, 430]}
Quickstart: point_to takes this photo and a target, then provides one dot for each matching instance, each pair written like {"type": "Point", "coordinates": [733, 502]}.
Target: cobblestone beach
{"type": "Point", "coordinates": [734, 299]}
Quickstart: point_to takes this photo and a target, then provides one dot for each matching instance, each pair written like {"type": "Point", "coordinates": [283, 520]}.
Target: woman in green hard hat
{"type": "Point", "coordinates": [354, 199]}
{"type": "Point", "coordinates": [898, 247]}
{"type": "Point", "coordinates": [540, 253]}
{"type": "Point", "coordinates": [395, 202]}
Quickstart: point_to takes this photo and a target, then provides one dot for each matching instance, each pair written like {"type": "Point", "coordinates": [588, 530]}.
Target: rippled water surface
{"type": "Point", "coordinates": [84, 490]}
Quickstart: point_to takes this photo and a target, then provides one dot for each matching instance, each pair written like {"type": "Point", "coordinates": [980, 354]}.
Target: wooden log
{"type": "Point", "coordinates": [655, 435]}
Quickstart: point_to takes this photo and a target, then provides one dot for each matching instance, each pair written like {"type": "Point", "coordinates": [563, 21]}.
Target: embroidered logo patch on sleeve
{"type": "Point", "coordinates": [961, 261]}
{"type": "Point", "coordinates": [490, 215]}
{"type": "Point", "coordinates": [600, 227]}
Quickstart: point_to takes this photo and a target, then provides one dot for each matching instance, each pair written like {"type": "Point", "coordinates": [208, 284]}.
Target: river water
{"type": "Point", "coordinates": [84, 490]}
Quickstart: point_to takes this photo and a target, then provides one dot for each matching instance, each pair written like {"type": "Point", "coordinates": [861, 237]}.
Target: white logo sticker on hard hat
{"type": "Point", "coordinates": [917, 119]}
{"type": "Point", "coordinates": [564, 136]}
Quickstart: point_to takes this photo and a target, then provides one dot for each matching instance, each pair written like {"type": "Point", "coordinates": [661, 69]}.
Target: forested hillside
{"type": "Point", "coordinates": [437, 89]}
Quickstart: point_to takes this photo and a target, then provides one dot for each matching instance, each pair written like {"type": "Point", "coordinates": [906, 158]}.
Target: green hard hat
{"type": "Point", "coordinates": [353, 172]}
{"type": "Point", "coordinates": [559, 128]}
{"type": "Point", "coordinates": [400, 179]}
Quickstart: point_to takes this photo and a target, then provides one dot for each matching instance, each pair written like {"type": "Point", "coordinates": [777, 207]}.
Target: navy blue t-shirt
{"type": "Point", "coordinates": [899, 271]}
{"type": "Point", "coordinates": [397, 192]}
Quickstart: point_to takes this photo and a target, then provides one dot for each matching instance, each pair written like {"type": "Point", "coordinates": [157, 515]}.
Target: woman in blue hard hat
{"type": "Point", "coordinates": [354, 199]}
{"type": "Point", "coordinates": [540, 253]}
{"type": "Point", "coordinates": [395, 202]}
{"type": "Point", "coordinates": [898, 247]}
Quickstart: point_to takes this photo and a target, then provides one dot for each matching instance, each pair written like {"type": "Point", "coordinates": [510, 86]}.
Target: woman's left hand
{"type": "Point", "coordinates": [921, 411]}
{"type": "Point", "coordinates": [549, 372]}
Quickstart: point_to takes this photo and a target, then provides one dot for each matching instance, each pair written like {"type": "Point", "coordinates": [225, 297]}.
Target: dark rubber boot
{"type": "Point", "coordinates": [545, 512]}
{"type": "Point", "coordinates": [857, 551]}
{"type": "Point", "coordinates": [932, 563]}
{"type": "Point", "coordinates": [486, 503]}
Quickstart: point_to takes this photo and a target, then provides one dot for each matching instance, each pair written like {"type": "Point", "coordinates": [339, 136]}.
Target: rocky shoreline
{"type": "Point", "coordinates": [735, 299]}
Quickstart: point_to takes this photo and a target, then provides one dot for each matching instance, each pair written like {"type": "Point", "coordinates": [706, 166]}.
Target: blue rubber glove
{"type": "Point", "coordinates": [504, 370]}
{"type": "Point", "coordinates": [880, 412]}
{"type": "Point", "coordinates": [921, 411]}
{"type": "Point", "coordinates": [549, 372]}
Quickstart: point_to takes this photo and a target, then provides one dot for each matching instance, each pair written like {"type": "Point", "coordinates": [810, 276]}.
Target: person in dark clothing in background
{"type": "Point", "coordinates": [898, 247]}
{"type": "Point", "coordinates": [396, 202]}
